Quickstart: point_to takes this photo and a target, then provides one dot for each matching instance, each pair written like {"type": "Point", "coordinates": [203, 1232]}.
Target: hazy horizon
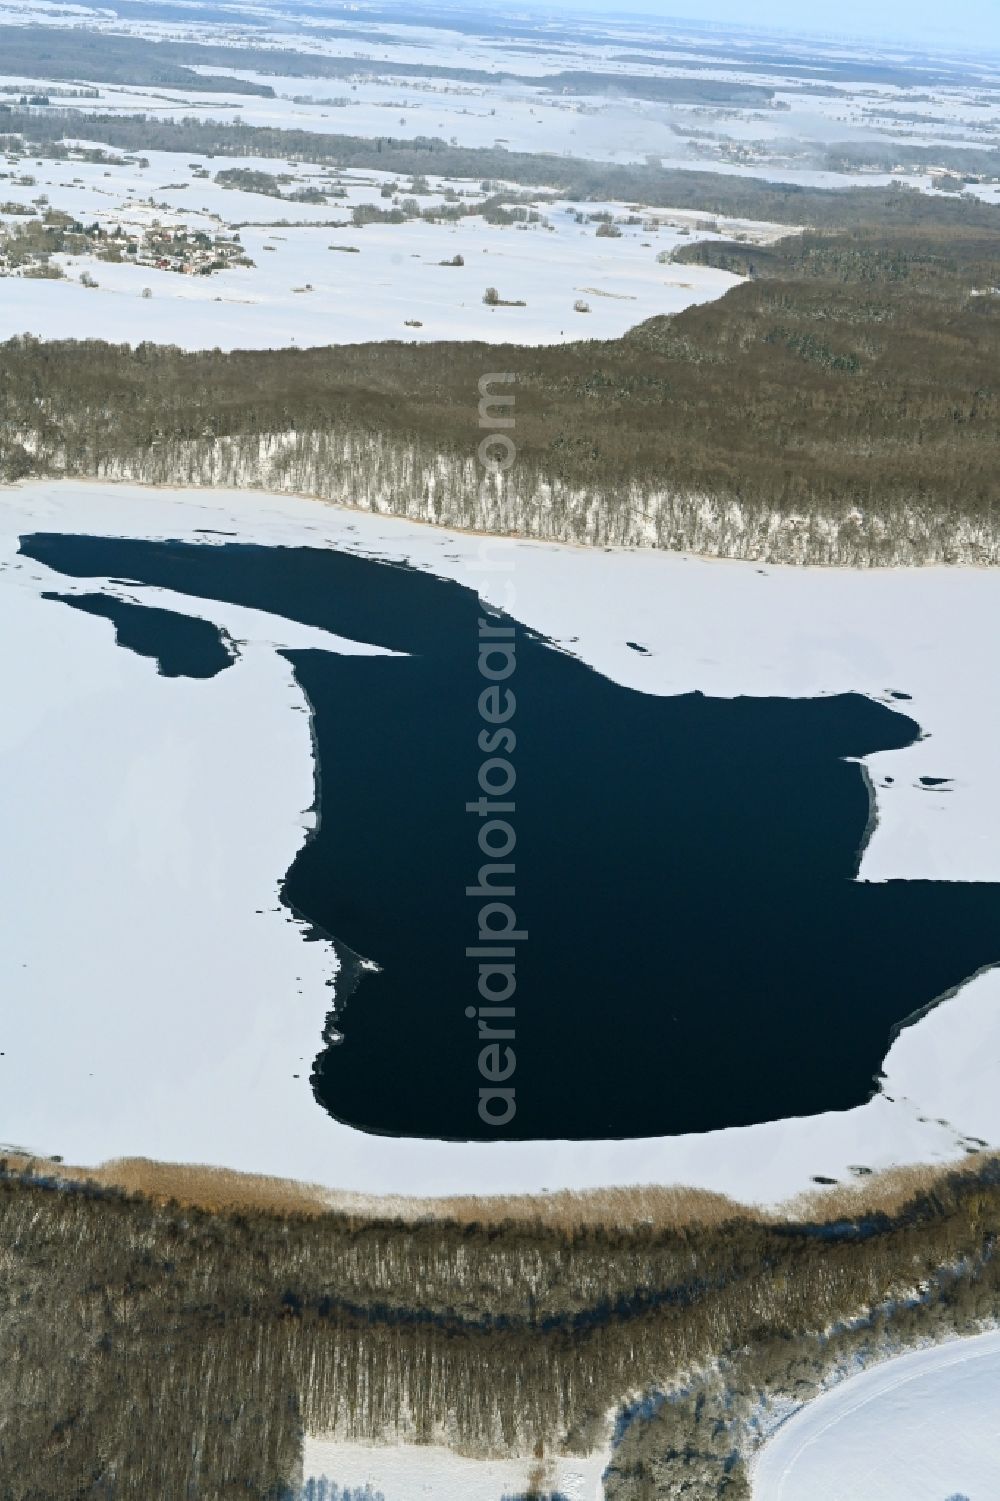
{"type": "Point", "coordinates": [963, 26]}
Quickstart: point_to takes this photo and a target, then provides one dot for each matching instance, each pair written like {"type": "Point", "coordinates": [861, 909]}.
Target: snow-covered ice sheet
{"type": "Point", "coordinates": [158, 1001]}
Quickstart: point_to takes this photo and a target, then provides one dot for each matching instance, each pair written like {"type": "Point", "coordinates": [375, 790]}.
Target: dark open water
{"type": "Point", "coordinates": [698, 953]}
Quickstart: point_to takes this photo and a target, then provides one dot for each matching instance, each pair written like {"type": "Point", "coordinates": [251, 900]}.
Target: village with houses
{"type": "Point", "coordinates": [39, 245]}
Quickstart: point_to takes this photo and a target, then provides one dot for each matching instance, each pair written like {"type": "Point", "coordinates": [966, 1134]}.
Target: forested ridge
{"type": "Point", "coordinates": [220, 1337]}
{"type": "Point", "coordinates": [840, 405]}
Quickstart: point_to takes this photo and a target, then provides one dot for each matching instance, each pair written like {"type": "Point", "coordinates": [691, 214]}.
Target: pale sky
{"type": "Point", "coordinates": [955, 25]}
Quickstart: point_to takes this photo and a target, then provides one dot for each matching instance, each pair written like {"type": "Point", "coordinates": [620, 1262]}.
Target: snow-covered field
{"type": "Point", "coordinates": [157, 1001]}
{"type": "Point", "coordinates": [402, 1472]}
{"type": "Point", "coordinates": [318, 279]}
{"type": "Point", "coordinates": [506, 101]}
{"type": "Point", "coordinates": [390, 283]}
{"type": "Point", "coordinates": [781, 145]}
{"type": "Point", "coordinates": [921, 1427]}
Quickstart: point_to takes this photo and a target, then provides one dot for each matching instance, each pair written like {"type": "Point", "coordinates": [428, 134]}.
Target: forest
{"type": "Point", "coordinates": [839, 405]}
{"type": "Point", "coordinates": [50, 52]}
{"type": "Point", "coordinates": [222, 1333]}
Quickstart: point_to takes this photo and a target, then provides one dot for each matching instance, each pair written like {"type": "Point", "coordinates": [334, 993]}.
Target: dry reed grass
{"type": "Point", "coordinates": [218, 1190]}
{"type": "Point", "coordinates": [887, 1192]}
{"type": "Point", "coordinates": [225, 1191]}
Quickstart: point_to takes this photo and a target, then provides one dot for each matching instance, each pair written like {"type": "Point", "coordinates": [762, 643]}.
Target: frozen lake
{"type": "Point", "coordinates": [691, 948]}
{"type": "Point", "coordinates": [182, 1011]}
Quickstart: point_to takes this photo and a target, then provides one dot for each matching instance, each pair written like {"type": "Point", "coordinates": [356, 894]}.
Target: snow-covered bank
{"type": "Point", "coordinates": [921, 1427]}
{"type": "Point", "coordinates": [159, 1002]}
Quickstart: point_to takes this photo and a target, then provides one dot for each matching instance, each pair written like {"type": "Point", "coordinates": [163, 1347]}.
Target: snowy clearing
{"type": "Point", "coordinates": [150, 821]}
{"type": "Point", "coordinates": [921, 1427]}
{"type": "Point", "coordinates": [403, 1471]}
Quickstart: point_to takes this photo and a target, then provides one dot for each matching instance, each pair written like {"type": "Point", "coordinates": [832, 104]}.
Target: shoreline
{"type": "Point", "coordinates": [226, 1191]}
{"type": "Point", "coordinates": [522, 538]}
